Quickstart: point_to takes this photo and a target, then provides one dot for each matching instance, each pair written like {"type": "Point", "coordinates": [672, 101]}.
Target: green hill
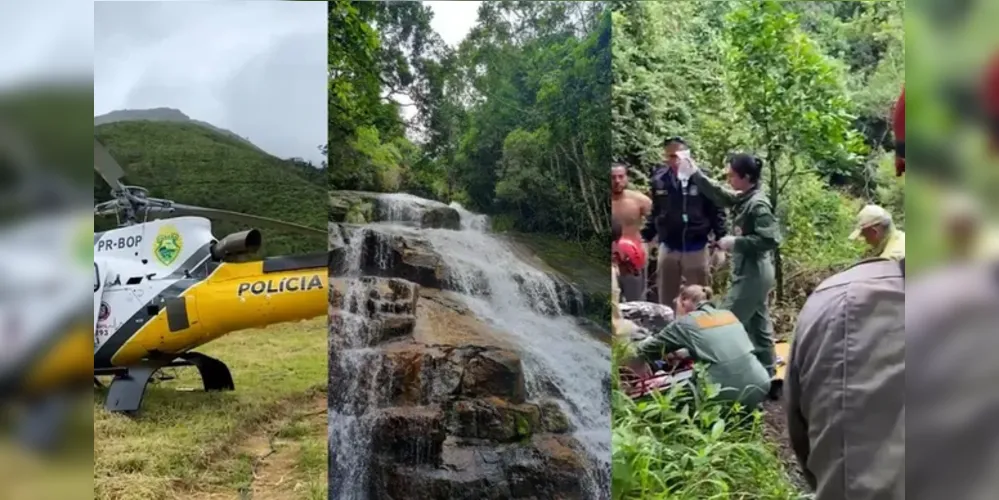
{"type": "Point", "coordinates": [162, 115]}
{"type": "Point", "coordinates": [189, 163]}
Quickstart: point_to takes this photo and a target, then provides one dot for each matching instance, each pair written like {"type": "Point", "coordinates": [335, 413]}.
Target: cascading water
{"type": "Point", "coordinates": [471, 221]}
{"type": "Point", "coordinates": [349, 353]}
{"type": "Point", "coordinates": [560, 359]}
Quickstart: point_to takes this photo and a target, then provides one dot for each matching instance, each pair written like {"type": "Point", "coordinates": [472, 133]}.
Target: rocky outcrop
{"type": "Point", "coordinates": [440, 217]}
{"type": "Point", "coordinates": [547, 467]}
{"type": "Point", "coordinates": [353, 207]}
{"type": "Point", "coordinates": [373, 251]}
{"type": "Point", "coordinates": [380, 252]}
{"type": "Point", "coordinates": [444, 400]}
{"type": "Point", "coordinates": [361, 207]}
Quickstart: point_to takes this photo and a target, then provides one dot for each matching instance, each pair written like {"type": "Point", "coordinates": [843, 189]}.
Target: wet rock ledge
{"type": "Point", "coordinates": [388, 255]}
{"type": "Point", "coordinates": [446, 402]}
{"type": "Point", "coordinates": [361, 207]}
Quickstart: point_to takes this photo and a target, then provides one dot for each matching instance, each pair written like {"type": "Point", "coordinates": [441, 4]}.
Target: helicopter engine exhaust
{"type": "Point", "coordinates": [241, 243]}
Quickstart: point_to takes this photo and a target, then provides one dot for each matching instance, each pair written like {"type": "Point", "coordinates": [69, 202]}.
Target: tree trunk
{"type": "Point", "coordinates": [773, 156]}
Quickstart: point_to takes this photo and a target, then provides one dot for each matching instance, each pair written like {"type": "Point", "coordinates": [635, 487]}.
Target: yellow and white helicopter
{"type": "Point", "coordinates": [45, 263]}
{"type": "Point", "coordinates": [164, 286]}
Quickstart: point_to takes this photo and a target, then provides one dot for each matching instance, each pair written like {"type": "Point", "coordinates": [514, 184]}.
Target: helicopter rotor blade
{"type": "Point", "coordinates": [178, 209]}
{"type": "Point", "coordinates": [106, 165]}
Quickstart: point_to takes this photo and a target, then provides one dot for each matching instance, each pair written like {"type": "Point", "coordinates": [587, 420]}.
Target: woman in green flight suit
{"type": "Point", "coordinates": [755, 237]}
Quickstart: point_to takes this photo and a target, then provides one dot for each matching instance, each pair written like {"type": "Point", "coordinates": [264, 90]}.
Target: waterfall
{"type": "Point", "coordinates": [561, 360]}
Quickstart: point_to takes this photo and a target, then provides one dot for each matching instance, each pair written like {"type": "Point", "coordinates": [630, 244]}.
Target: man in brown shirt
{"type": "Point", "coordinates": [846, 381]}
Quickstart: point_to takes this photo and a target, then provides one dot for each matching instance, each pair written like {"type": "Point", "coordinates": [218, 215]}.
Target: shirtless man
{"type": "Point", "coordinates": [629, 209]}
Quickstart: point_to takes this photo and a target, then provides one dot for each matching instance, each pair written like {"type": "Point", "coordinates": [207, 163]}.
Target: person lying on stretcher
{"type": "Point", "coordinates": [714, 337]}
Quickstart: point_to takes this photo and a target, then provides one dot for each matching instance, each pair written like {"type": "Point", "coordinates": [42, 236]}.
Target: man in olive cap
{"type": "Point", "coordinates": [876, 227]}
{"type": "Point", "coordinates": [845, 382]}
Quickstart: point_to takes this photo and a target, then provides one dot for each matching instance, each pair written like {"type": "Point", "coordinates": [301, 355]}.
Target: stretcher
{"type": "Point", "coordinates": [783, 354]}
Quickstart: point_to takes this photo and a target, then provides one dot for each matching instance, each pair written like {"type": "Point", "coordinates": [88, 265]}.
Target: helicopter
{"type": "Point", "coordinates": [44, 359]}
{"type": "Point", "coordinates": [165, 286]}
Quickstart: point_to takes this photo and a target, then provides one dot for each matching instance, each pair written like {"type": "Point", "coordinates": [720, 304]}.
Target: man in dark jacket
{"type": "Point", "coordinates": [683, 220]}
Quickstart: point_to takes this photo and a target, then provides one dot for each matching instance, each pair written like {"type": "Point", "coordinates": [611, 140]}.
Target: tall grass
{"type": "Point", "coordinates": [683, 445]}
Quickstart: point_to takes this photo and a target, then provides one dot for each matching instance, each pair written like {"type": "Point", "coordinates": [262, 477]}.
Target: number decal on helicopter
{"type": "Point", "coordinates": [295, 284]}
{"type": "Point", "coordinates": [102, 334]}
{"type": "Point", "coordinates": [119, 244]}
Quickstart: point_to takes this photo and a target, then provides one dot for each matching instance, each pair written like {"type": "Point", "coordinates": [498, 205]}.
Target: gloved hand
{"type": "Point", "coordinates": [717, 258]}
{"type": "Point", "coordinates": [727, 243]}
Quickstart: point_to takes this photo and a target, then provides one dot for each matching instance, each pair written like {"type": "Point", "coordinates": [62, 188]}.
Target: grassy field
{"type": "Point", "coordinates": [24, 474]}
{"type": "Point", "coordinates": [267, 439]}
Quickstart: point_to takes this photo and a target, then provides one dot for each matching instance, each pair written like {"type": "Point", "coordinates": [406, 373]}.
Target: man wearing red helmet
{"type": "Point", "coordinates": [846, 382]}
{"type": "Point", "coordinates": [629, 209]}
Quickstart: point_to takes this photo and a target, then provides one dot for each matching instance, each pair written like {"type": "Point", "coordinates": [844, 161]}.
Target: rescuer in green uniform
{"type": "Point", "coordinates": [756, 236]}
{"type": "Point", "coordinates": [716, 338]}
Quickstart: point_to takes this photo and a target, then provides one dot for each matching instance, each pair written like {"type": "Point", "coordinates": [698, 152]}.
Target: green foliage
{"type": "Point", "coordinates": [683, 445]}
{"type": "Point", "coordinates": [512, 123]}
{"type": "Point", "coordinates": [817, 222]}
{"type": "Point", "coordinates": [362, 148]}
{"type": "Point", "coordinates": [669, 79]}
{"type": "Point", "coordinates": [793, 93]}
{"type": "Point", "coordinates": [536, 144]}
{"type": "Point", "coordinates": [191, 164]}
{"type": "Point", "coordinates": [809, 87]}
{"type": "Point", "coordinates": [890, 189]}
{"type": "Point", "coordinates": [47, 117]}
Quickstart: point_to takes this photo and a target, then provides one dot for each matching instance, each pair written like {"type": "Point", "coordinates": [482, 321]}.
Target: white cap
{"type": "Point", "coordinates": [871, 215]}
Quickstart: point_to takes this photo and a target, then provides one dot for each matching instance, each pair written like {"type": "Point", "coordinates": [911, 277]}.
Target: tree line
{"type": "Point", "coordinates": [807, 86]}
{"type": "Point", "coordinates": [512, 122]}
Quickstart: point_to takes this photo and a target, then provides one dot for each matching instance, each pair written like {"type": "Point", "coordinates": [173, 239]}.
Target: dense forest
{"type": "Point", "coordinates": [513, 122]}
{"type": "Point", "coordinates": [809, 87]}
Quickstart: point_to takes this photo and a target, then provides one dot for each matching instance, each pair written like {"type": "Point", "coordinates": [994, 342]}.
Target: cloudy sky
{"type": "Point", "coordinates": [53, 40]}
{"type": "Point", "coordinates": [453, 20]}
{"type": "Point", "coordinates": [241, 66]}
{"type": "Point", "coordinates": [258, 69]}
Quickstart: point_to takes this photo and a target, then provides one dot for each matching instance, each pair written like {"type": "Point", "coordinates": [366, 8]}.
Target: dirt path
{"type": "Point", "coordinates": [285, 459]}
{"type": "Point", "coordinates": [775, 431]}
{"type": "Point", "coordinates": [289, 459]}
{"type": "Point", "coordinates": [775, 426]}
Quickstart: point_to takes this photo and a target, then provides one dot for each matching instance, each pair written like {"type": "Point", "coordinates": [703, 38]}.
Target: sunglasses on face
{"type": "Point", "coordinates": [673, 139]}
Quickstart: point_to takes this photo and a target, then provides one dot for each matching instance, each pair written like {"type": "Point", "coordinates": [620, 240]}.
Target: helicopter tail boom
{"type": "Point", "coordinates": [68, 359]}
{"type": "Point", "coordinates": [237, 296]}
{"type": "Point", "coordinates": [251, 297]}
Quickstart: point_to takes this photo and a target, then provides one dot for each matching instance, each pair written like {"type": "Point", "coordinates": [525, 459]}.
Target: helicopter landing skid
{"type": "Point", "coordinates": [42, 426]}
{"type": "Point", "coordinates": [129, 385]}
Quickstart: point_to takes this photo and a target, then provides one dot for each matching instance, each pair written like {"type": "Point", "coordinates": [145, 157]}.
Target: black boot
{"type": "Point", "coordinates": [776, 389]}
